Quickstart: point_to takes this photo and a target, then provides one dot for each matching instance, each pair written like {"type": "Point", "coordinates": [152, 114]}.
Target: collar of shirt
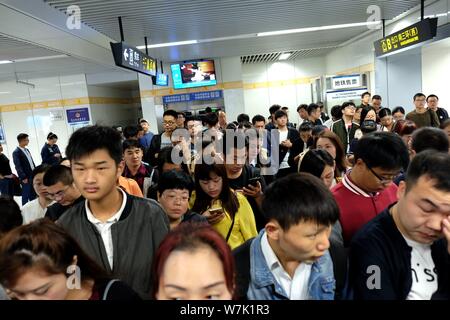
{"type": "Point", "coordinates": [270, 257]}
{"type": "Point", "coordinates": [142, 172]}
{"type": "Point", "coordinates": [347, 182]}
{"type": "Point", "coordinates": [114, 218]}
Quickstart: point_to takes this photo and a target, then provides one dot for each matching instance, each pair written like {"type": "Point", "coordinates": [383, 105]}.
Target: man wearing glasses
{"type": "Point", "coordinates": [421, 116]}
{"type": "Point", "coordinates": [61, 188]}
{"type": "Point", "coordinates": [160, 141]}
{"type": "Point", "coordinates": [368, 189]}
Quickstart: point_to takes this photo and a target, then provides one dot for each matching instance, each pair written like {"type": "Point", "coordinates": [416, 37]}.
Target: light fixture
{"type": "Point", "coordinates": [169, 44]}
{"type": "Point", "coordinates": [284, 55]}
{"type": "Point", "coordinates": [5, 61]}
{"type": "Point", "coordinates": [312, 29]}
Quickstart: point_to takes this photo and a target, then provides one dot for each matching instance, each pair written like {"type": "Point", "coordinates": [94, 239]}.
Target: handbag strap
{"type": "Point", "coordinates": [232, 223]}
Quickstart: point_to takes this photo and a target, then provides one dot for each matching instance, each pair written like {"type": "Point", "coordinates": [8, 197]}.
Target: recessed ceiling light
{"type": "Point", "coordinates": [168, 44]}
{"type": "Point", "coordinates": [5, 61]}
{"type": "Point", "coordinates": [284, 55]}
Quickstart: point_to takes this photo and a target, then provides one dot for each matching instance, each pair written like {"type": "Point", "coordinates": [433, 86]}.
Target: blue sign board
{"type": "Point", "coordinates": [204, 95]}
{"type": "Point", "coordinates": [77, 115]}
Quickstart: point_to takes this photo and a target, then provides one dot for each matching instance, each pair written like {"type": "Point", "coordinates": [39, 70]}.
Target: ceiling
{"type": "Point", "coordinates": [180, 20]}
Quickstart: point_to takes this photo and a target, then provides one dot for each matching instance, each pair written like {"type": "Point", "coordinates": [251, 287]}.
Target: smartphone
{"type": "Point", "coordinates": [253, 181]}
{"type": "Point", "coordinates": [215, 211]}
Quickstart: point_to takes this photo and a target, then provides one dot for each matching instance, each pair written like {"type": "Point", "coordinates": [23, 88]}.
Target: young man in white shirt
{"type": "Point", "coordinates": [404, 253]}
{"type": "Point", "coordinates": [119, 231]}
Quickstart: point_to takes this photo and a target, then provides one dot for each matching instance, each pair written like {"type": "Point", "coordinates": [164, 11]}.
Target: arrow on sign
{"type": "Point", "coordinates": [125, 54]}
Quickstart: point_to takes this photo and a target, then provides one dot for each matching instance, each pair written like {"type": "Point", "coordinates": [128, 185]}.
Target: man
{"type": "Point", "coordinates": [314, 114]}
{"type": "Point", "coordinates": [146, 139]}
{"type": "Point", "coordinates": [243, 118]}
{"type": "Point", "coordinates": [6, 175]}
{"type": "Point", "coordinates": [239, 173]}
{"type": "Point", "coordinates": [24, 166]}
{"type": "Point", "coordinates": [376, 102]}
{"type": "Point", "coordinates": [404, 252]}
{"type": "Point", "coordinates": [272, 123]}
{"type": "Point", "coordinates": [302, 113]}
{"type": "Point", "coordinates": [119, 231]}
{"type": "Point", "coordinates": [422, 116]}
{"type": "Point", "coordinates": [433, 104]}
{"type": "Point", "coordinates": [62, 189]}
{"type": "Point", "coordinates": [368, 188]}
{"type": "Point", "coordinates": [323, 115]}
{"type": "Point", "coordinates": [345, 128]}
{"type": "Point", "coordinates": [181, 118]}
{"type": "Point", "coordinates": [134, 167]}
{"type": "Point", "coordinates": [289, 124]}
{"type": "Point", "coordinates": [259, 122]}
{"type": "Point", "coordinates": [163, 140]}
{"type": "Point", "coordinates": [289, 259]}
{"type": "Point", "coordinates": [365, 98]}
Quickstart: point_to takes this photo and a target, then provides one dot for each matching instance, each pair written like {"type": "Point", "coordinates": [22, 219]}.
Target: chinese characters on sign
{"type": "Point", "coordinates": [206, 95]}
{"type": "Point", "coordinates": [345, 82]}
{"type": "Point", "coordinates": [131, 58]}
{"type": "Point", "coordinates": [75, 116]}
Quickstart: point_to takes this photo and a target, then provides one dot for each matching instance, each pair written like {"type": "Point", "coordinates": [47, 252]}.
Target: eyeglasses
{"type": "Point", "coordinates": [383, 180]}
{"type": "Point", "coordinates": [169, 123]}
{"type": "Point", "coordinates": [58, 194]}
{"type": "Point", "coordinates": [174, 198]}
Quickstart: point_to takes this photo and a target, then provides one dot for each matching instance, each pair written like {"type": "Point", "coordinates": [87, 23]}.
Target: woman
{"type": "Point", "coordinates": [368, 115]}
{"type": "Point", "coordinates": [330, 142]}
{"type": "Point", "coordinates": [40, 261]}
{"type": "Point", "coordinates": [320, 164]}
{"type": "Point", "coordinates": [50, 152]}
{"type": "Point", "coordinates": [386, 119]}
{"type": "Point", "coordinates": [398, 113]}
{"type": "Point", "coordinates": [193, 262]}
{"type": "Point", "coordinates": [226, 210]}
{"type": "Point", "coordinates": [405, 129]}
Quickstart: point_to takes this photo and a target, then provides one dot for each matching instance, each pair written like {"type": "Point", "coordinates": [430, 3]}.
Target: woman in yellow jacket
{"type": "Point", "coordinates": [226, 210]}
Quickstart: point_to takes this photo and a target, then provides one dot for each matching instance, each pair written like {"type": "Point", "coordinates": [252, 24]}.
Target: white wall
{"type": "Point", "coordinates": [39, 110]}
{"type": "Point", "coordinates": [436, 71]}
{"type": "Point", "coordinates": [284, 82]}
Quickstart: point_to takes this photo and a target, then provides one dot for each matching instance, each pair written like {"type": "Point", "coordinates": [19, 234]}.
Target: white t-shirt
{"type": "Point", "coordinates": [297, 287]}
{"type": "Point", "coordinates": [283, 136]}
{"type": "Point", "coordinates": [104, 228]}
{"type": "Point", "coordinates": [424, 277]}
{"type": "Point", "coordinates": [32, 210]}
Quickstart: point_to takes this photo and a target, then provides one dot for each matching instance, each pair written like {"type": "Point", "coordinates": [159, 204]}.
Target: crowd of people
{"type": "Point", "coordinates": [356, 206]}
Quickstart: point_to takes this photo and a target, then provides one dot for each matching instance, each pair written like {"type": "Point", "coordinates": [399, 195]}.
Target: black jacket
{"type": "Point", "coordinates": [155, 148]}
{"type": "Point", "coordinates": [380, 244]}
{"type": "Point", "coordinates": [23, 168]}
{"type": "Point", "coordinates": [56, 210]}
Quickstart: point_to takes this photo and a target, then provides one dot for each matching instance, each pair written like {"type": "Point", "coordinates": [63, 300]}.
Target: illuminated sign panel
{"type": "Point", "coordinates": [420, 32]}
{"type": "Point", "coordinates": [131, 58]}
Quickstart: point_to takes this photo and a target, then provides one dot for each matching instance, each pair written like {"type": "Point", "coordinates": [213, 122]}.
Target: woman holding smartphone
{"type": "Point", "coordinates": [227, 211]}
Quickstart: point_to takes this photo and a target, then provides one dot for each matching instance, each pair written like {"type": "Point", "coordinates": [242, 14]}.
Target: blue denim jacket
{"type": "Point", "coordinates": [263, 286]}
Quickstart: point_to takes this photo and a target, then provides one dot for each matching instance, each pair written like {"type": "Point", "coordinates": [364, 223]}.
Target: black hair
{"type": "Point", "coordinates": [130, 131]}
{"type": "Point", "coordinates": [376, 97]}
{"type": "Point", "coordinates": [258, 118]}
{"type": "Point", "coordinates": [274, 108]}
{"type": "Point", "coordinates": [365, 110]}
{"type": "Point", "coordinates": [170, 112]}
{"type": "Point", "coordinates": [364, 94]}
{"type": "Point", "coordinates": [314, 162]}
{"type": "Point", "coordinates": [282, 202]}
{"type": "Point", "coordinates": [336, 112]}
{"type": "Point", "coordinates": [306, 126]}
{"type": "Point", "coordinates": [88, 139]}
{"type": "Point", "coordinates": [43, 168]}
{"type": "Point", "coordinates": [58, 173]}
{"type": "Point", "coordinates": [432, 96]}
{"type": "Point", "coordinates": [312, 107]}
{"type": "Point", "coordinates": [279, 114]}
{"type": "Point", "coordinates": [175, 180]}
{"type": "Point", "coordinates": [21, 136]}
{"type": "Point", "coordinates": [318, 129]}
{"type": "Point", "coordinates": [165, 156]}
{"type": "Point", "coordinates": [181, 114]}
{"type": "Point", "coordinates": [131, 144]}
{"type": "Point", "coordinates": [384, 112]}
{"type": "Point", "coordinates": [346, 104]}
{"type": "Point", "coordinates": [245, 125]}
{"type": "Point", "coordinates": [434, 165]}
{"type": "Point", "coordinates": [231, 126]}
{"type": "Point", "coordinates": [211, 119]}
{"type": "Point", "coordinates": [52, 136]}
{"type": "Point", "coordinates": [398, 109]}
{"type": "Point", "coordinates": [243, 117]}
{"type": "Point", "coordinates": [236, 140]}
{"type": "Point", "coordinates": [382, 149]}
{"type": "Point", "coordinates": [429, 138]}
{"type": "Point", "coordinates": [417, 95]}
{"type": "Point", "coordinates": [208, 110]}
{"type": "Point", "coordinates": [10, 216]}
{"type": "Point", "coordinates": [302, 106]}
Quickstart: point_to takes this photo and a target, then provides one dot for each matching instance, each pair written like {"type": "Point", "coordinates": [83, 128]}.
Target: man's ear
{"type": "Point", "coordinates": [273, 229]}
{"type": "Point", "coordinates": [401, 190]}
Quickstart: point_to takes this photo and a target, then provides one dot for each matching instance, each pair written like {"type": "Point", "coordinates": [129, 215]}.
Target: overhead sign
{"type": "Point", "coordinates": [420, 32]}
{"type": "Point", "coordinates": [346, 82]}
{"type": "Point", "coordinates": [131, 58]}
{"type": "Point", "coordinates": [203, 95]}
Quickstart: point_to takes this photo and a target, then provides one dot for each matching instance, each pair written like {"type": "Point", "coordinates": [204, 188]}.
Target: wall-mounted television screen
{"type": "Point", "coordinates": [161, 79]}
{"type": "Point", "coordinates": [193, 74]}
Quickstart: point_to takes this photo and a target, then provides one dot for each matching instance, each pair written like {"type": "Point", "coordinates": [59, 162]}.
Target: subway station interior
{"type": "Point", "coordinates": [73, 67]}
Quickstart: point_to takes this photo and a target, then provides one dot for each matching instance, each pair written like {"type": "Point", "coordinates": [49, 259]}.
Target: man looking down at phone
{"type": "Point", "coordinates": [243, 177]}
{"type": "Point", "coordinates": [226, 210]}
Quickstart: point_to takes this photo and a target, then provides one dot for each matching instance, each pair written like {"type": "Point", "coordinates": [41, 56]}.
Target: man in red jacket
{"type": "Point", "coordinates": [368, 189]}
